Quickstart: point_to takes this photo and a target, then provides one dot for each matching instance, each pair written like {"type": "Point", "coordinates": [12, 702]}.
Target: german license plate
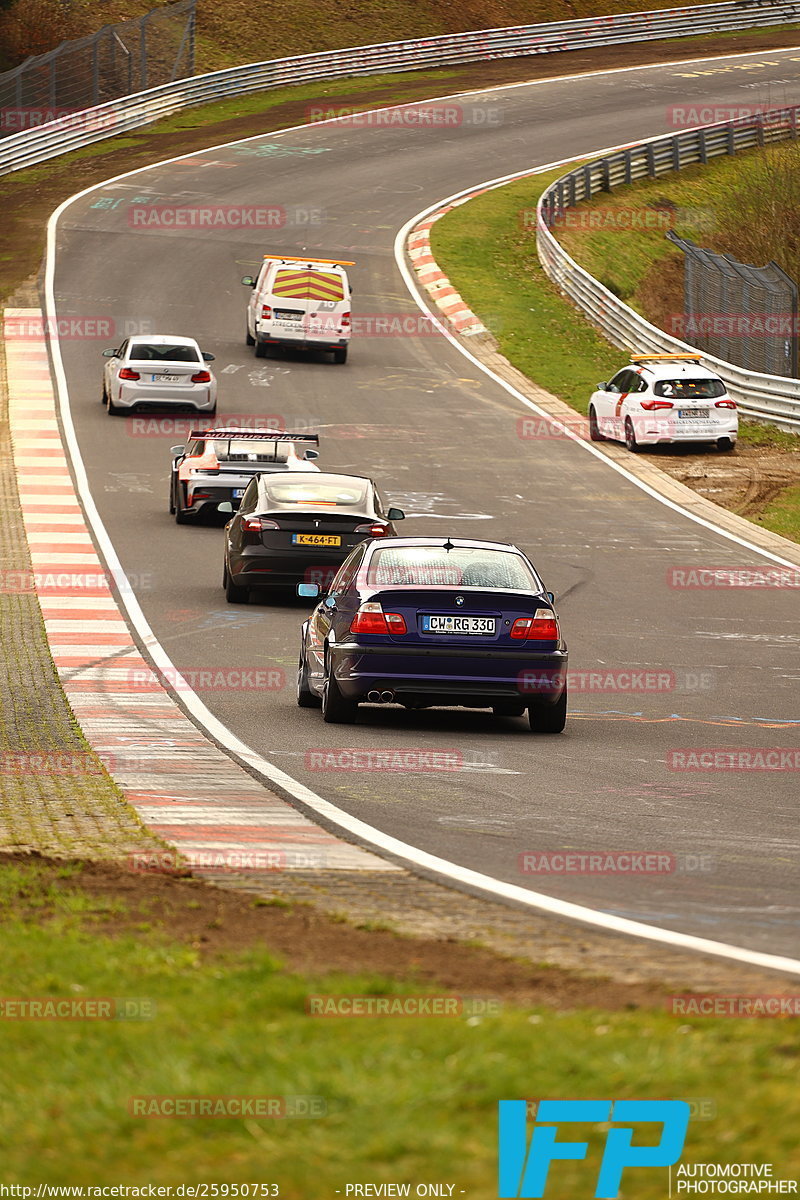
{"type": "Point", "coordinates": [448, 623]}
{"type": "Point", "coordinates": [692, 413]}
{"type": "Point", "coordinates": [167, 379]}
{"type": "Point", "coordinates": [316, 539]}
{"type": "Point", "coordinates": [237, 493]}
{"type": "Point", "coordinates": [288, 316]}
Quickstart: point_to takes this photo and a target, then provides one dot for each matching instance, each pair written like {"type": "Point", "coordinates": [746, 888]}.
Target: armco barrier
{"type": "Point", "coordinates": [117, 116]}
{"type": "Point", "coordinates": [764, 397]}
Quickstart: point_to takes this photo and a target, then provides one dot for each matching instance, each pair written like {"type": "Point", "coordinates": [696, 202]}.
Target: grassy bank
{"type": "Point", "coordinates": [399, 1098]}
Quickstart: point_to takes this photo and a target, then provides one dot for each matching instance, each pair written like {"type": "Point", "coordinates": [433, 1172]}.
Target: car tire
{"type": "Point", "coordinates": [172, 497]}
{"type": "Point", "coordinates": [249, 340]}
{"type": "Point", "coordinates": [340, 355]}
{"type": "Point", "coordinates": [336, 709]}
{"type": "Point", "coordinates": [630, 437]}
{"type": "Point", "coordinates": [112, 409]}
{"type": "Point", "coordinates": [234, 594]}
{"type": "Point", "coordinates": [594, 429]}
{"type": "Point", "coordinates": [509, 708]}
{"type": "Point", "coordinates": [725, 445]}
{"type": "Point", "coordinates": [305, 697]}
{"type": "Point", "coordinates": [182, 517]}
{"type": "Point", "coordinates": [104, 399]}
{"type": "Point", "coordinates": [262, 349]}
{"type": "Point", "coordinates": [548, 718]}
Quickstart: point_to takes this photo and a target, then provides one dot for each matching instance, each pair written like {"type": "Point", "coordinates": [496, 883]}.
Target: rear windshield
{"type": "Point", "coordinates": [332, 495]}
{"type": "Point", "coordinates": [144, 352]}
{"type": "Point", "coordinates": [433, 566]}
{"type": "Point", "coordinates": [250, 450]}
{"type": "Point", "coordinates": [307, 285]}
{"type": "Point", "coordinates": [688, 389]}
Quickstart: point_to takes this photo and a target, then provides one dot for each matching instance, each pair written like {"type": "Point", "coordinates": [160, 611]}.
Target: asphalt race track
{"type": "Point", "coordinates": [442, 440]}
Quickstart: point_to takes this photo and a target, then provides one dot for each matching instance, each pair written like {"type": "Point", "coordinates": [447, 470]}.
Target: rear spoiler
{"type": "Point", "coordinates": [256, 434]}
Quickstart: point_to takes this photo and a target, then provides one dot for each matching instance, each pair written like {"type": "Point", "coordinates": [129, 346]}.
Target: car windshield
{"type": "Point", "coordinates": [690, 389]}
{"type": "Point", "coordinates": [332, 495]}
{"type": "Point", "coordinates": [147, 352]}
{"type": "Point", "coordinates": [463, 566]}
{"type": "Point", "coordinates": [251, 450]}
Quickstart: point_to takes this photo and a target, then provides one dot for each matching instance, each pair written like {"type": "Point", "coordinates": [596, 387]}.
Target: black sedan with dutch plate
{"type": "Point", "coordinates": [300, 527]}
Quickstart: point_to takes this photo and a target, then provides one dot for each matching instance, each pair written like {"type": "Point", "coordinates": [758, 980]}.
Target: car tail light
{"type": "Point", "coordinates": [127, 373]}
{"type": "Point", "coordinates": [374, 529]}
{"type": "Point", "coordinates": [724, 404]}
{"type": "Point", "coordinates": [542, 627]}
{"type": "Point", "coordinates": [201, 377]}
{"type": "Point", "coordinates": [256, 524]}
{"type": "Point", "coordinates": [650, 405]}
{"type": "Point", "coordinates": [266, 312]}
{"type": "Point", "coordinates": [345, 320]}
{"type": "Point", "coordinates": [197, 496]}
{"type": "Point", "coordinates": [371, 618]}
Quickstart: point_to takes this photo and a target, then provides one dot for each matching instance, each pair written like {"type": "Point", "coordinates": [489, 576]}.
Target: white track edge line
{"type": "Point", "coordinates": [218, 731]}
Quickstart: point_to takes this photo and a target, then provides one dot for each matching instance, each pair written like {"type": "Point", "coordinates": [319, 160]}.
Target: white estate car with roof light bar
{"type": "Point", "coordinates": [158, 371]}
{"type": "Point", "coordinates": [663, 398]}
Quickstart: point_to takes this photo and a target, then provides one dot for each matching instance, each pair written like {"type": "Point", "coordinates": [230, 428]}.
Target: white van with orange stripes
{"type": "Point", "coordinates": [299, 302]}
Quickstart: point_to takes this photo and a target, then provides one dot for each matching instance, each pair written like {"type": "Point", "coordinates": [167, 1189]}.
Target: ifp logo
{"type": "Point", "coordinates": [523, 1170]}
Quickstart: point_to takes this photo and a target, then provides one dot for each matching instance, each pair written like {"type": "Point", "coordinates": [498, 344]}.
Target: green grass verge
{"type": "Point", "coordinates": [406, 1099]}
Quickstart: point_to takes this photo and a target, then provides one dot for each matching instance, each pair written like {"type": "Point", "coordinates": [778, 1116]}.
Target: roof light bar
{"type": "Point", "coordinates": [334, 262]}
{"type": "Point", "coordinates": [666, 357]}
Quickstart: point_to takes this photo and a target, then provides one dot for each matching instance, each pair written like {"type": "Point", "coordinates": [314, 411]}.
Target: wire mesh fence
{"type": "Point", "coordinates": [117, 60]}
{"type": "Point", "coordinates": [744, 314]}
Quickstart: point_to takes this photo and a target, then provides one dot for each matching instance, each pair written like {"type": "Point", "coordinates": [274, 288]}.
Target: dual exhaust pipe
{"type": "Point", "coordinates": [376, 697]}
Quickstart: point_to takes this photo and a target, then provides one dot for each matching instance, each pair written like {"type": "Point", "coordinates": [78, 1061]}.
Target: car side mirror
{"type": "Point", "coordinates": [550, 597]}
{"type": "Point", "coordinates": [309, 454]}
{"type": "Point", "coordinates": [225, 507]}
{"type": "Point", "coordinates": [396, 514]}
{"type": "Point", "coordinates": [110, 353]}
{"type": "Point", "coordinates": [309, 591]}
{"type": "Point", "coordinates": [208, 357]}
{"type": "Point", "coordinates": [602, 387]}
{"type": "Point", "coordinates": [248, 281]}
{"type": "Point", "coordinates": [176, 450]}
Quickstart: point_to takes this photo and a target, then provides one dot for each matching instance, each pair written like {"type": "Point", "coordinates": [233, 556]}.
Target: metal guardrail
{"type": "Point", "coordinates": [764, 397]}
{"type": "Point", "coordinates": [92, 125]}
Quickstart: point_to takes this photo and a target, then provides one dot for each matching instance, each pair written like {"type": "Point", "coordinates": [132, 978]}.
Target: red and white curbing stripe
{"type": "Point", "coordinates": [433, 279]}
{"type": "Point", "coordinates": [183, 787]}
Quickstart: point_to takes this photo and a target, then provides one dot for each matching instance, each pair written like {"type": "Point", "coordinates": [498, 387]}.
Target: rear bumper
{"type": "Point", "coordinates": [449, 675]}
{"type": "Point", "coordinates": [328, 343]}
{"type": "Point", "coordinates": [197, 401]}
{"type": "Point", "coordinates": [689, 431]}
{"type": "Point", "coordinates": [262, 567]}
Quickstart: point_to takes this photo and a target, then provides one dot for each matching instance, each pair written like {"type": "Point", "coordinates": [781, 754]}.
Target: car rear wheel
{"type": "Point", "coordinates": [509, 708]}
{"type": "Point", "coordinates": [340, 354]}
{"type": "Point", "coordinates": [172, 497]}
{"type": "Point", "coordinates": [549, 718]}
{"type": "Point", "coordinates": [724, 444]}
{"type": "Point", "coordinates": [249, 340]}
{"type": "Point", "coordinates": [262, 349]}
{"type": "Point", "coordinates": [234, 594]}
{"type": "Point", "coordinates": [305, 697]}
{"type": "Point", "coordinates": [336, 708]}
{"type": "Point", "coordinates": [112, 409]}
{"type": "Point", "coordinates": [594, 429]}
{"type": "Point", "coordinates": [630, 437]}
